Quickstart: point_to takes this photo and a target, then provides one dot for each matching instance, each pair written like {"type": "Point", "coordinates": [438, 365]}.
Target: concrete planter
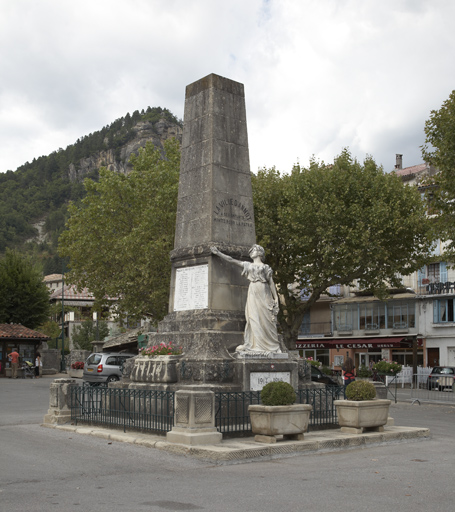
{"type": "Point", "coordinates": [75, 374]}
{"type": "Point", "coordinates": [358, 417]}
{"type": "Point", "coordinates": [155, 369]}
{"type": "Point", "coordinates": [290, 421]}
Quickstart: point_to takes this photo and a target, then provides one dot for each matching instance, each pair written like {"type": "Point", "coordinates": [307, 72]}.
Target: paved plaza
{"type": "Point", "coordinates": [45, 469]}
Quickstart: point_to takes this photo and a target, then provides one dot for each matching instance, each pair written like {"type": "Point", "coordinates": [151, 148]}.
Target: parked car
{"type": "Point", "coordinates": [318, 376]}
{"type": "Point", "coordinates": [441, 377]}
{"type": "Point", "coordinates": [104, 367]}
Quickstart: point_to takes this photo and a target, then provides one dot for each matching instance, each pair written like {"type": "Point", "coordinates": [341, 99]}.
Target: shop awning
{"type": "Point", "coordinates": [363, 343]}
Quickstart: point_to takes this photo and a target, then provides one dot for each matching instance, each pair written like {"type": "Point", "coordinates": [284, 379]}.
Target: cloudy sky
{"type": "Point", "coordinates": [319, 75]}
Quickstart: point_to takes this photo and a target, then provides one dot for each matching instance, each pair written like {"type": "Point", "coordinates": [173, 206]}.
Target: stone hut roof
{"type": "Point", "coordinates": [19, 332]}
{"type": "Point", "coordinates": [127, 339]}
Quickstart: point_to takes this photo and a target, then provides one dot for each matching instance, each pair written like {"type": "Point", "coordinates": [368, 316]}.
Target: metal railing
{"type": "Point", "coordinates": [146, 410]}
{"type": "Point", "coordinates": [440, 389]}
{"type": "Point", "coordinates": [232, 416]}
{"type": "Point", "coordinates": [150, 410]}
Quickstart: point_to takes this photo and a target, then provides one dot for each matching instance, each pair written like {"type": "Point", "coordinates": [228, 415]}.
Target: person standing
{"type": "Point", "coordinates": [38, 365]}
{"type": "Point", "coordinates": [348, 373]}
{"type": "Point", "coordinates": [14, 358]}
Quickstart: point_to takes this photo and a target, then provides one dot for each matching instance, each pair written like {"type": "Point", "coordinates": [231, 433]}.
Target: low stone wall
{"type": "Point", "coordinates": [51, 361]}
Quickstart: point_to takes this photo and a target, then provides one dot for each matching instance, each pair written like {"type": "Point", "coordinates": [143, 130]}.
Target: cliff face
{"type": "Point", "coordinates": [117, 159]}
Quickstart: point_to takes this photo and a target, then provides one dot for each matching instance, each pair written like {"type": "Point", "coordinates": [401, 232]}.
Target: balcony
{"type": "Point", "coordinates": [439, 288]}
{"type": "Point", "coordinates": [315, 330]}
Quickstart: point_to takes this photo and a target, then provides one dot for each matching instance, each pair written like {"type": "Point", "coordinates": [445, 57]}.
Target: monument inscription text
{"type": "Point", "coordinates": [232, 211]}
{"type": "Point", "coordinates": [191, 288]}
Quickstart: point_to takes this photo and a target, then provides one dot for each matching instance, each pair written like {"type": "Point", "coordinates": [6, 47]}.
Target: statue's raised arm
{"type": "Point", "coordinates": [262, 303]}
{"type": "Point", "coordinates": [225, 257]}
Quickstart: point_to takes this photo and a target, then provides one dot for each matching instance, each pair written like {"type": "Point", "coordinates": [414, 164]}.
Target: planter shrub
{"type": "Point", "coordinates": [277, 393]}
{"type": "Point", "coordinates": [360, 390]}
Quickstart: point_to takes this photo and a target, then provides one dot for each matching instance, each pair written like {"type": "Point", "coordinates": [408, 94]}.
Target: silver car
{"type": "Point", "coordinates": [104, 367]}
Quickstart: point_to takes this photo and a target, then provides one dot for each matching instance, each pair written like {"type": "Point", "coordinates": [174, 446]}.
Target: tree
{"type": "Point", "coordinates": [119, 239]}
{"type": "Point", "coordinates": [87, 332]}
{"type": "Point", "coordinates": [24, 297]}
{"type": "Point", "coordinates": [439, 151]}
{"type": "Point", "coordinates": [335, 224]}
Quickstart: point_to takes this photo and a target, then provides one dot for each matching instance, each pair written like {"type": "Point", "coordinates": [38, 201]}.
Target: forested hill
{"type": "Point", "coordinates": [34, 198]}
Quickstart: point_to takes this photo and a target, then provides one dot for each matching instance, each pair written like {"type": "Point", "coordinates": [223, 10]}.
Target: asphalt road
{"type": "Point", "coordinates": [45, 469]}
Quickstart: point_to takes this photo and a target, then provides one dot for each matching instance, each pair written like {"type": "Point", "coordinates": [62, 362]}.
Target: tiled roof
{"type": "Point", "coordinates": [18, 331]}
{"type": "Point", "coordinates": [122, 339]}
{"type": "Point", "coordinates": [71, 293]}
{"type": "Point", "coordinates": [411, 170]}
{"type": "Point", "coordinates": [52, 277]}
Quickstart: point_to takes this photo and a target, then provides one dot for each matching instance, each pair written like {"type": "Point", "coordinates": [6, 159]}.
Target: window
{"type": "Point", "coordinates": [401, 315]}
{"type": "Point", "coordinates": [443, 311]}
{"type": "Point", "coordinates": [372, 316]}
{"type": "Point", "coordinates": [346, 317]}
{"type": "Point", "coordinates": [321, 355]}
{"type": "Point", "coordinates": [305, 326]}
{"type": "Point", "coordinates": [437, 272]}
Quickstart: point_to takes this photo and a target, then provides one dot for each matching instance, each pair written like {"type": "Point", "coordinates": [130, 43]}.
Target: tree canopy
{"type": "Point", "coordinates": [24, 297]}
{"type": "Point", "coordinates": [333, 225]}
{"type": "Point", "coordinates": [439, 151]}
{"type": "Point", "coordinates": [87, 332]}
{"type": "Point", "coordinates": [119, 238]}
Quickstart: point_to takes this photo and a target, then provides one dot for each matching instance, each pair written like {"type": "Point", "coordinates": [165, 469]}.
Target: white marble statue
{"type": "Point", "coordinates": [262, 303]}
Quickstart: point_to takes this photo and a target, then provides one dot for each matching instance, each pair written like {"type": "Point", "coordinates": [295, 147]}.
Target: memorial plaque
{"type": "Point", "coordinates": [259, 379]}
{"type": "Point", "coordinates": [191, 288]}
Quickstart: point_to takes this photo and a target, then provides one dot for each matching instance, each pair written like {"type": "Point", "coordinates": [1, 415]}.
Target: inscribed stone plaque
{"type": "Point", "coordinates": [191, 288]}
{"type": "Point", "coordinates": [259, 379]}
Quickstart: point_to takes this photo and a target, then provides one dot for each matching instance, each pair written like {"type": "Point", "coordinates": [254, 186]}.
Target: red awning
{"type": "Point", "coordinates": [363, 343]}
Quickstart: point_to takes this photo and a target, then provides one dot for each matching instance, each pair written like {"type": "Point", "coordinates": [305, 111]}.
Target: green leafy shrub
{"type": "Point", "coordinates": [277, 393]}
{"type": "Point", "coordinates": [360, 390]}
{"type": "Point", "coordinates": [364, 372]}
{"type": "Point", "coordinates": [387, 367]}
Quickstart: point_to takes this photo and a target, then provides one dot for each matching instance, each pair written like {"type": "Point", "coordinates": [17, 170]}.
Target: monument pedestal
{"type": "Point", "coordinates": [194, 417]}
{"type": "Point", "coordinates": [253, 373]}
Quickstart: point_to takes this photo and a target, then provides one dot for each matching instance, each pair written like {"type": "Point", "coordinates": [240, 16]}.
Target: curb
{"type": "Point", "coordinates": [232, 451]}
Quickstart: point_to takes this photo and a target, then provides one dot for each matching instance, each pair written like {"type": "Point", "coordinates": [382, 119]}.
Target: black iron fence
{"type": "Point", "coordinates": [146, 410]}
{"type": "Point", "coordinates": [153, 411]}
{"type": "Point", "coordinates": [232, 416]}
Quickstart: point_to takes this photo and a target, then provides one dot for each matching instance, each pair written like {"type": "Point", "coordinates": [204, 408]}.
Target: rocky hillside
{"type": "Point", "coordinates": [118, 159]}
{"type": "Point", "coordinates": [34, 198]}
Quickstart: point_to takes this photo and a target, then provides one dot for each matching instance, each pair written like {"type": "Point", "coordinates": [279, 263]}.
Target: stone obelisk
{"type": "Point", "coordinates": [207, 294]}
{"type": "Point", "coordinates": [215, 208]}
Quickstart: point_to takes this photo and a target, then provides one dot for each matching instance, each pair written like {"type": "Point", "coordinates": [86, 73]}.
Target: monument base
{"type": "Point", "coordinates": [194, 437]}
{"type": "Point", "coordinates": [254, 374]}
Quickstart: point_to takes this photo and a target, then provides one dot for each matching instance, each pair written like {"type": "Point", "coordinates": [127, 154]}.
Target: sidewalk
{"type": "Point", "coordinates": [241, 450]}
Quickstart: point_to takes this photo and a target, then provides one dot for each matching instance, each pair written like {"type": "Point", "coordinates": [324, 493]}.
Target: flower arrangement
{"type": "Point", "coordinates": [387, 367]}
{"type": "Point", "coordinates": [313, 362]}
{"type": "Point", "coordinates": [78, 365]}
{"type": "Point", "coordinates": [163, 349]}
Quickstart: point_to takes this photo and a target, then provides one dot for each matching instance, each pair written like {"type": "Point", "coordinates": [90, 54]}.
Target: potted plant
{"type": "Point", "coordinates": [278, 415]}
{"type": "Point", "coordinates": [157, 363]}
{"type": "Point", "coordinates": [361, 411]}
{"type": "Point", "coordinates": [77, 369]}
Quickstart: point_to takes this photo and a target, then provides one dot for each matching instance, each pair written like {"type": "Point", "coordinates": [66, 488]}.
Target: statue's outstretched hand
{"type": "Point", "coordinates": [214, 250]}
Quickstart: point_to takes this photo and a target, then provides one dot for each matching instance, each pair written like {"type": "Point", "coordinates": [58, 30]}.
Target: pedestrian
{"type": "Point", "coordinates": [38, 365]}
{"type": "Point", "coordinates": [348, 373]}
{"type": "Point", "coordinates": [14, 358]}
